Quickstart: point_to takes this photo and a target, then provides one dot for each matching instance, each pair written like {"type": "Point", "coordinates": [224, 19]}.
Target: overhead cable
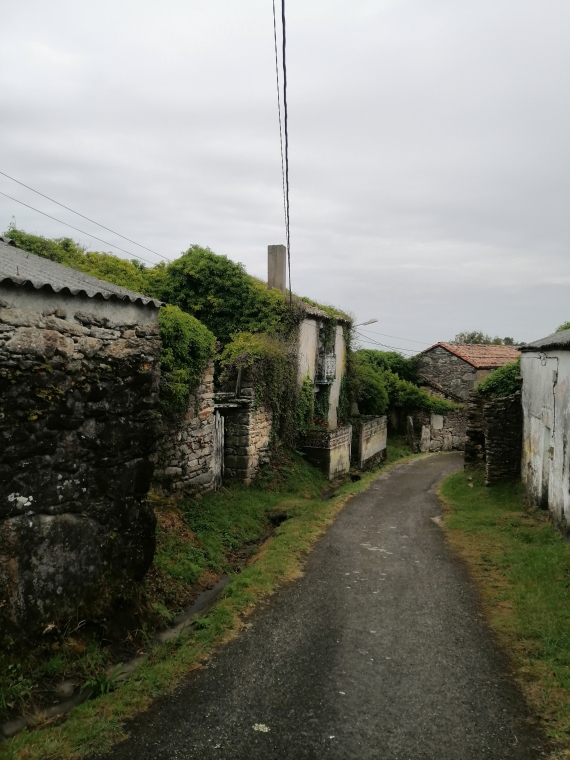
{"type": "Point", "coordinates": [409, 340]}
{"type": "Point", "coordinates": [83, 232]}
{"type": "Point", "coordinates": [285, 126]}
{"type": "Point", "coordinates": [279, 113]}
{"type": "Point", "coordinates": [83, 217]}
{"type": "Point", "coordinates": [377, 343]}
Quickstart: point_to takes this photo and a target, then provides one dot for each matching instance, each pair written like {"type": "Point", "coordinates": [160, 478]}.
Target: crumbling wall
{"type": "Point", "coordinates": [427, 431]}
{"type": "Point", "coordinates": [329, 450]}
{"type": "Point", "coordinates": [187, 458]}
{"type": "Point", "coordinates": [247, 433]}
{"type": "Point", "coordinates": [494, 436]}
{"type": "Point", "coordinates": [369, 438]}
{"type": "Point", "coordinates": [78, 428]}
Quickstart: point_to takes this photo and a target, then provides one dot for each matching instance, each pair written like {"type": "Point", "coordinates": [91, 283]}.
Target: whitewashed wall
{"type": "Point", "coordinates": [546, 430]}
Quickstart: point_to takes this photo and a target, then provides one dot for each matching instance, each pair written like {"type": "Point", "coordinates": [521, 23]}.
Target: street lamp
{"type": "Point", "coordinates": [370, 322]}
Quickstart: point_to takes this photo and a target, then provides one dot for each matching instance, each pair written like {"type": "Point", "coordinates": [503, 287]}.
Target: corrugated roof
{"type": "Point", "coordinates": [22, 267]}
{"type": "Point", "coordinates": [480, 356]}
{"type": "Point", "coordinates": [556, 340]}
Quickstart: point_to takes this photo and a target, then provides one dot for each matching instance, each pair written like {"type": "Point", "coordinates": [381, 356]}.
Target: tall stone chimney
{"type": "Point", "coordinates": [277, 267]}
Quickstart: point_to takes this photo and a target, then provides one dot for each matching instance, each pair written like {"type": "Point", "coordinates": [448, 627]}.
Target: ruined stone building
{"type": "Point", "coordinates": [545, 369]}
{"type": "Point", "coordinates": [79, 372]}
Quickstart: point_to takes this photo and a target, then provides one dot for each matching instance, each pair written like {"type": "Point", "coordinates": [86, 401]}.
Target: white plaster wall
{"type": "Point", "coordinates": [546, 429]}
{"type": "Point", "coordinates": [340, 352]}
{"type": "Point", "coordinates": [308, 349]}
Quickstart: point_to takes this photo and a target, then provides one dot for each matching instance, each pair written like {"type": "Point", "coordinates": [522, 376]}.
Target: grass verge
{"type": "Point", "coordinates": [522, 568]}
{"type": "Point", "coordinates": [217, 525]}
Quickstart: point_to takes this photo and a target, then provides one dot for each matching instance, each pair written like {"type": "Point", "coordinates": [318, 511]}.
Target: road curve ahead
{"type": "Point", "coordinates": [378, 652]}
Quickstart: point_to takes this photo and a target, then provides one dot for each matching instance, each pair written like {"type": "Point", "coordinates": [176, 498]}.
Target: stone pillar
{"type": "Point", "coordinates": [277, 267]}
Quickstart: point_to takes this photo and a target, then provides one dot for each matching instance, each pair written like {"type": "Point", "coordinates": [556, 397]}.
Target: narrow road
{"type": "Point", "coordinates": [378, 652]}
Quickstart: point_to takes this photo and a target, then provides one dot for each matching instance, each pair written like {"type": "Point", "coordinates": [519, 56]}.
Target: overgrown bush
{"type": "Point", "coordinates": [503, 381]}
{"type": "Point", "coordinates": [563, 326]}
{"type": "Point", "coordinates": [405, 368]}
{"type": "Point", "coordinates": [221, 294]}
{"type": "Point", "coordinates": [186, 348]}
{"type": "Point", "coordinates": [270, 364]}
{"type": "Point", "coordinates": [367, 386]}
{"type": "Point", "coordinates": [378, 386]}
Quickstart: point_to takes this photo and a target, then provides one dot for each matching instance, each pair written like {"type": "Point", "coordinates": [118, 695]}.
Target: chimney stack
{"type": "Point", "coordinates": [277, 267]}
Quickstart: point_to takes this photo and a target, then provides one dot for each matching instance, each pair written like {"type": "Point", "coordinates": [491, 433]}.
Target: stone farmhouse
{"type": "Point", "coordinates": [545, 368]}
{"type": "Point", "coordinates": [79, 374]}
{"type": "Point", "coordinates": [453, 370]}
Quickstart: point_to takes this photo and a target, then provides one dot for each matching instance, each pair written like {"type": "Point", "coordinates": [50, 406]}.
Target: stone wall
{"type": "Point", "coordinates": [447, 373]}
{"type": "Point", "coordinates": [436, 432]}
{"type": "Point", "coordinates": [247, 432]}
{"type": "Point", "coordinates": [495, 436]}
{"type": "Point", "coordinates": [369, 438]}
{"type": "Point", "coordinates": [329, 450]}
{"type": "Point", "coordinates": [187, 459]}
{"type": "Point", "coordinates": [78, 428]}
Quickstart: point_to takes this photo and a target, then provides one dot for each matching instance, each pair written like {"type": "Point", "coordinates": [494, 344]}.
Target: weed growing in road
{"type": "Point", "coordinates": [522, 566]}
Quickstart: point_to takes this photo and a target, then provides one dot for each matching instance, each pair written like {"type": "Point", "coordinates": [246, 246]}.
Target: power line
{"type": "Point", "coordinates": [284, 61]}
{"type": "Point", "coordinates": [395, 348]}
{"type": "Point", "coordinates": [76, 228]}
{"type": "Point", "coordinates": [279, 112]}
{"type": "Point", "coordinates": [409, 340]}
{"type": "Point", "coordinates": [83, 217]}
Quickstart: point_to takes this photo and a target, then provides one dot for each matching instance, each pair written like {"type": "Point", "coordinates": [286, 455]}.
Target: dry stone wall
{"type": "Point", "coordinates": [187, 459]}
{"type": "Point", "coordinates": [494, 436]}
{"type": "Point", "coordinates": [78, 428]}
{"type": "Point", "coordinates": [247, 435]}
{"type": "Point", "coordinates": [436, 432]}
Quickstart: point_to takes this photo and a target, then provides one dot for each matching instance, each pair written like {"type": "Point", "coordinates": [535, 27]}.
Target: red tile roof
{"type": "Point", "coordinates": [481, 356]}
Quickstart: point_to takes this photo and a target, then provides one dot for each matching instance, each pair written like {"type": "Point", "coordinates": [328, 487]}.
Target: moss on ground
{"type": "Point", "coordinates": [522, 567]}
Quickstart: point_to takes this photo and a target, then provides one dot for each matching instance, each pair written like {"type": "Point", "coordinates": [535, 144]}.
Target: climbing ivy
{"type": "Point", "coordinates": [186, 348]}
{"type": "Point", "coordinates": [269, 363]}
{"type": "Point", "coordinates": [306, 405]}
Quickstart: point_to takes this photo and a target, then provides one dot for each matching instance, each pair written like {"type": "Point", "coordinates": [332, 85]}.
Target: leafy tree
{"type": "Point", "coordinates": [405, 368]}
{"type": "Point", "coordinates": [479, 338]}
{"type": "Point", "coordinates": [375, 384]}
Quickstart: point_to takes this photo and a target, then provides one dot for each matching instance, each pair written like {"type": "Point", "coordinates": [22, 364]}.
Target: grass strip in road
{"type": "Point", "coordinates": [521, 565]}
{"type": "Point", "coordinates": [94, 727]}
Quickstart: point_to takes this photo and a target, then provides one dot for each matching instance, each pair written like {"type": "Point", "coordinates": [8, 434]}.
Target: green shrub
{"type": "Point", "coordinates": [367, 385]}
{"type": "Point", "coordinates": [271, 366]}
{"type": "Point", "coordinates": [221, 294]}
{"type": "Point", "coordinates": [405, 368]}
{"type": "Point", "coordinates": [377, 384]}
{"type": "Point", "coordinates": [504, 381]}
{"type": "Point", "coordinates": [563, 326]}
{"type": "Point", "coordinates": [186, 348]}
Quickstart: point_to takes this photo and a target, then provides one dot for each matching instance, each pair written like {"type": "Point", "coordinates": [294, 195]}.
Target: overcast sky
{"type": "Point", "coordinates": [429, 146]}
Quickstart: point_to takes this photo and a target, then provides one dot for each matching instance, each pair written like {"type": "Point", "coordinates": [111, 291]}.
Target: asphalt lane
{"type": "Point", "coordinates": [378, 653]}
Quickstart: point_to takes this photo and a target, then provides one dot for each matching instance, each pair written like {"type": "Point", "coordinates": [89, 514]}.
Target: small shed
{"type": "Point", "coordinates": [545, 368]}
